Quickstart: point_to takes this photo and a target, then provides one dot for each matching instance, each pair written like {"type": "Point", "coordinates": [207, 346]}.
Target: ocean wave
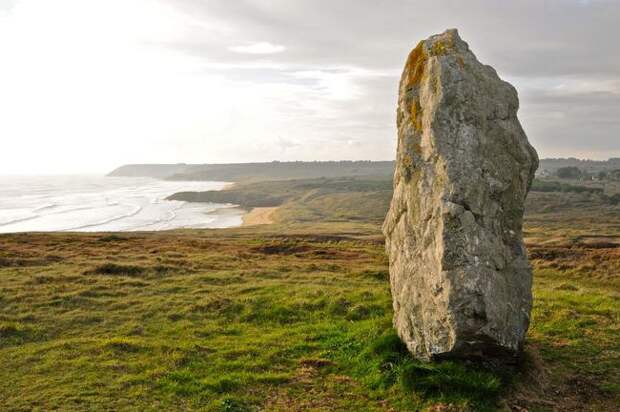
{"type": "Point", "coordinates": [172, 215]}
{"type": "Point", "coordinates": [134, 212]}
{"type": "Point", "coordinates": [75, 209]}
{"type": "Point", "coordinates": [19, 220]}
{"type": "Point", "coordinates": [45, 207]}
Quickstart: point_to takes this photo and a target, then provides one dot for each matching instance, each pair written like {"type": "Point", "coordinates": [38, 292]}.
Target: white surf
{"type": "Point", "coordinates": [92, 203]}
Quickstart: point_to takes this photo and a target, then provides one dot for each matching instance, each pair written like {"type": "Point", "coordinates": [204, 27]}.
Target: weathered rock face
{"type": "Point", "coordinates": [459, 274]}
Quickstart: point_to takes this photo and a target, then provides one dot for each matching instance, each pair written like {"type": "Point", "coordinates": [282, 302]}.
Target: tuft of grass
{"type": "Point", "coordinates": [121, 344]}
{"type": "Point", "coordinates": [233, 405]}
{"type": "Point", "coordinates": [111, 238]}
{"type": "Point", "coordinates": [17, 333]}
{"type": "Point", "coordinates": [452, 380]}
{"type": "Point", "coordinates": [384, 364]}
{"type": "Point", "coordinates": [115, 269]}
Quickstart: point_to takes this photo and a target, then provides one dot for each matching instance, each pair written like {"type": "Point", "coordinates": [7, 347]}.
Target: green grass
{"type": "Point", "coordinates": [291, 316]}
{"type": "Point", "coordinates": [240, 320]}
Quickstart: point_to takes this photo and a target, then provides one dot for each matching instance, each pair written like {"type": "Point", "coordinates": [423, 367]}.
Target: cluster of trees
{"type": "Point", "coordinates": [609, 175]}
{"type": "Point", "coordinates": [575, 173]}
{"type": "Point", "coordinates": [552, 186]}
{"type": "Point", "coordinates": [549, 186]}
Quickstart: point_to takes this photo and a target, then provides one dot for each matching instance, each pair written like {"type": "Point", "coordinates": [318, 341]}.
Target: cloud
{"type": "Point", "coordinates": [259, 48]}
{"type": "Point", "coordinates": [559, 54]}
{"type": "Point", "coordinates": [286, 144]}
{"type": "Point", "coordinates": [92, 84]}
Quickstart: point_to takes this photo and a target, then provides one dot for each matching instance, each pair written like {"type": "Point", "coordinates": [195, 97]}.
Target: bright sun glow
{"type": "Point", "coordinates": [89, 85]}
{"type": "Point", "coordinates": [77, 77]}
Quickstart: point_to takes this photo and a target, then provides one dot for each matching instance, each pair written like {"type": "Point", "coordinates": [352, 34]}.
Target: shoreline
{"type": "Point", "coordinates": [85, 203]}
{"type": "Point", "coordinates": [259, 216]}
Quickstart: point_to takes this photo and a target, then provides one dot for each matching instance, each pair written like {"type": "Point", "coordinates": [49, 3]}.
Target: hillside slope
{"type": "Point", "coordinates": [235, 172]}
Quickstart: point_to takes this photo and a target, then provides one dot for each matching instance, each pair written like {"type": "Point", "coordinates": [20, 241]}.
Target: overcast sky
{"type": "Point", "coordinates": [86, 85]}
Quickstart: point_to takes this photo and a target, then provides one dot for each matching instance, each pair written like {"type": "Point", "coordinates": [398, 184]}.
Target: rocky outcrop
{"type": "Point", "coordinates": [459, 274]}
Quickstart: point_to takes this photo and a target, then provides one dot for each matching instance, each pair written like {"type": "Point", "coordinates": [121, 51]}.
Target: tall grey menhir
{"type": "Point", "coordinates": [460, 278]}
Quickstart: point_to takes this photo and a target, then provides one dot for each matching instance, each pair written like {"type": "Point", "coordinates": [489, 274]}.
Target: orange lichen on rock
{"type": "Point", "coordinates": [415, 65]}
{"type": "Point", "coordinates": [416, 115]}
{"type": "Point", "coordinates": [442, 47]}
{"type": "Point", "coordinates": [439, 49]}
{"type": "Point", "coordinates": [414, 72]}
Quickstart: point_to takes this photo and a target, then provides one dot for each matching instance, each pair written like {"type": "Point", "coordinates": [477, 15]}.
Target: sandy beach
{"type": "Point", "coordinates": [259, 216]}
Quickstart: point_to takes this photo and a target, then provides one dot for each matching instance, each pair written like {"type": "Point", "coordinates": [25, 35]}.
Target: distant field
{"type": "Point", "coordinates": [366, 199]}
{"type": "Point", "coordinates": [341, 199]}
{"type": "Point", "coordinates": [235, 172]}
{"type": "Point", "coordinates": [294, 316]}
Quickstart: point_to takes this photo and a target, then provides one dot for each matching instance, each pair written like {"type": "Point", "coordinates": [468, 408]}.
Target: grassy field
{"type": "Point", "coordinates": [294, 316]}
{"type": "Point", "coordinates": [358, 199]}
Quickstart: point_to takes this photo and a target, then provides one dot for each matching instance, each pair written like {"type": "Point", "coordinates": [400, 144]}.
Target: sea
{"type": "Point", "coordinates": [97, 203]}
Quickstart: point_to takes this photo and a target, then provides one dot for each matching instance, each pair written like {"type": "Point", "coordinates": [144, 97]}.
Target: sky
{"type": "Point", "coordinates": [88, 85]}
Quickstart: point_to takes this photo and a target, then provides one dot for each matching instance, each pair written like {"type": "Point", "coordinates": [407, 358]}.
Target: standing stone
{"type": "Point", "coordinates": [460, 279]}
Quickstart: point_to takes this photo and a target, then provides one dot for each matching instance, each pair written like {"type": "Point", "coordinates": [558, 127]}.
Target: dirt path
{"type": "Point", "coordinates": [259, 216]}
